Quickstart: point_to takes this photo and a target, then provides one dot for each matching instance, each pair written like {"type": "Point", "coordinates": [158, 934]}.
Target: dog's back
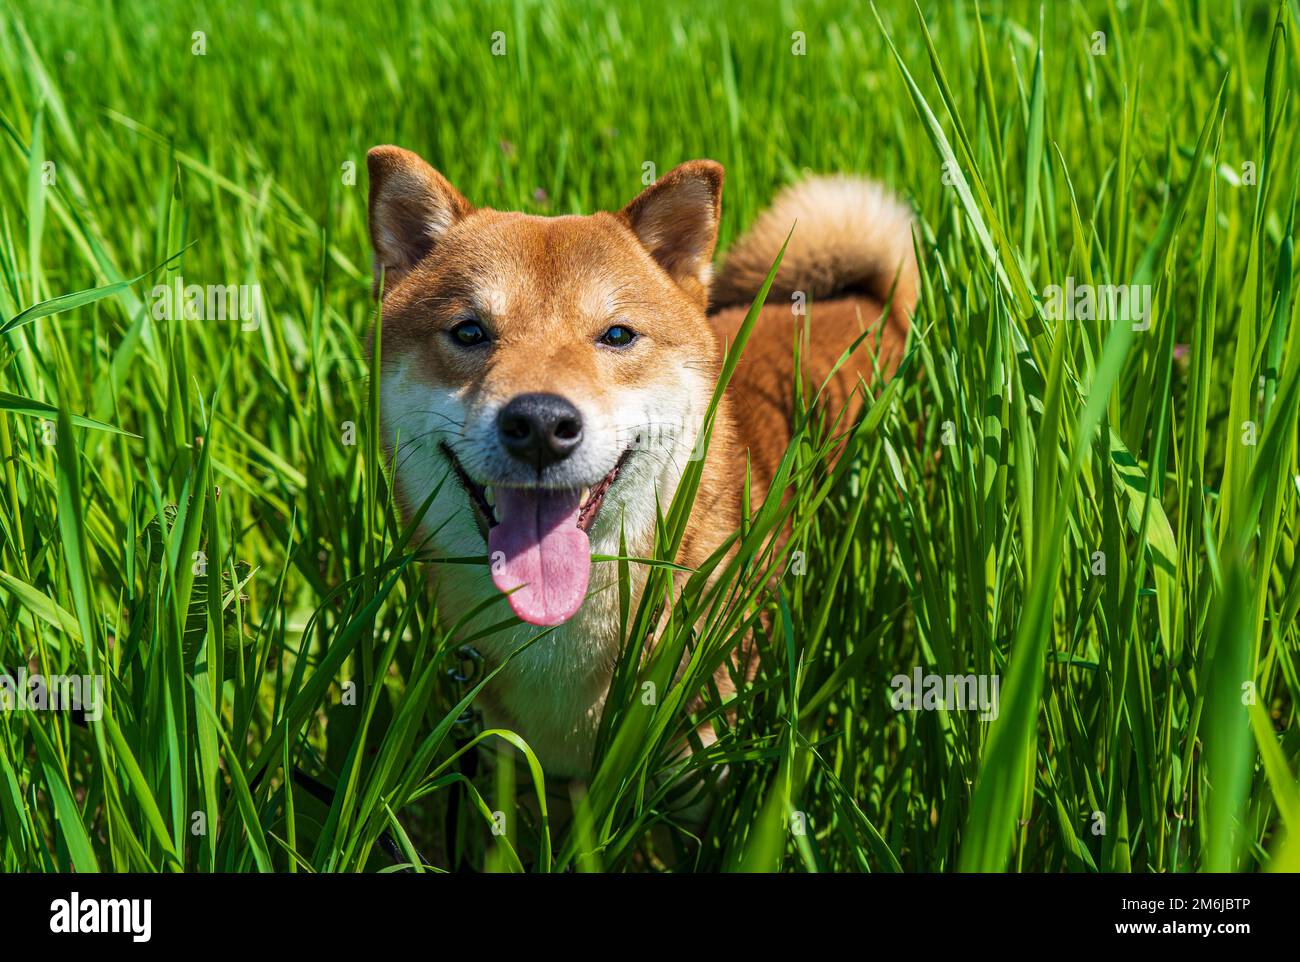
{"type": "Point", "coordinates": [850, 254]}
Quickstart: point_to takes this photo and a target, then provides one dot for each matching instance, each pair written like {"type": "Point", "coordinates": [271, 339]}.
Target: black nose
{"type": "Point", "coordinates": [540, 429]}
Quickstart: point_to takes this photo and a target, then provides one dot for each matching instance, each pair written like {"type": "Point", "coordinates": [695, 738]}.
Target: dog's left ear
{"type": "Point", "coordinates": [411, 207]}
{"type": "Point", "coordinates": [676, 219]}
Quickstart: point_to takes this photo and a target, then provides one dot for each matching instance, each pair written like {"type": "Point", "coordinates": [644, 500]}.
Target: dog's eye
{"type": "Point", "coordinates": [468, 333]}
{"type": "Point", "coordinates": [618, 336]}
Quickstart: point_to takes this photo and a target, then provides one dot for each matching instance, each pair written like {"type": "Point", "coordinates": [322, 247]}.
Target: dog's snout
{"type": "Point", "coordinates": [540, 429]}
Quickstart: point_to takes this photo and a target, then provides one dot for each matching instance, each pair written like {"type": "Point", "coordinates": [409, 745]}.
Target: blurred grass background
{"type": "Point", "coordinates": [1147, 713]}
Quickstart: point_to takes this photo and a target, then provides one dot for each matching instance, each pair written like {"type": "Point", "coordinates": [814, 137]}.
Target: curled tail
{"type": "Point", "coordinates": [850, 235]}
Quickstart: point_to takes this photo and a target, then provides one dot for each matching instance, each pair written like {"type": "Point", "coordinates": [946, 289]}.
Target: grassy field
{"type": "Point", "coordinates": [1102, 513]}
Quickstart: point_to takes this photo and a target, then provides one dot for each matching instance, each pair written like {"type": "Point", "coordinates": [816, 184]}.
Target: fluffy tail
{"type": "Point", "coordinates": [850, 235]}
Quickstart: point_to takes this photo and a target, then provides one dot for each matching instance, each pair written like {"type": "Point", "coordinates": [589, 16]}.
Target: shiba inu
{"type": "Point", "coordinates": [547, 377]}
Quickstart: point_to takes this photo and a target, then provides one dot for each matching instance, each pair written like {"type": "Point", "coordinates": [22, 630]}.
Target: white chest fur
{"type": "Point", "coordinates": [553, 681]}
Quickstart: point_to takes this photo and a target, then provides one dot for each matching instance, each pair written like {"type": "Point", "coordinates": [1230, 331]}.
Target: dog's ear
{"type": "Point", "coordinates": [676, 219]}
{"type": "Point", "coordinates": [411, 206]}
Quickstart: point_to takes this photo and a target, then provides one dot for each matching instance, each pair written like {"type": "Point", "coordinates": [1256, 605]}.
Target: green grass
{"type": "Point", "coordinates": [1147, 714]}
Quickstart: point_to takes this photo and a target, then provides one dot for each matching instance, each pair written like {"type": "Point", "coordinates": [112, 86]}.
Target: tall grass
{"type": "Point", "coordinates": [1103, 517]}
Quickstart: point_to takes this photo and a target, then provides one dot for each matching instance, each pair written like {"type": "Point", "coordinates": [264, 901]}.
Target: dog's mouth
{"type": "Point", "coordinates": [537, 539]}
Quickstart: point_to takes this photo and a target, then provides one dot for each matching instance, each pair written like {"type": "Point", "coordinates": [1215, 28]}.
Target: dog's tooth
{"type": "Point", "coordinates": [586, 493]}
{"type": "Point", "coordinates": [489, 496]}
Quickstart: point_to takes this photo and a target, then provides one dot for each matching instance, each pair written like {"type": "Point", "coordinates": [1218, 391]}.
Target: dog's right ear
{"type": "Point", "coordinates": [411, 206]}
{"type": "Point", "coordinates": [676, 220]}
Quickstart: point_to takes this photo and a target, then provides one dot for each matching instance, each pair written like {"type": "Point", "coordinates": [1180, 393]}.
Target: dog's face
{"type": "Point", "coordinates": [547, 376]}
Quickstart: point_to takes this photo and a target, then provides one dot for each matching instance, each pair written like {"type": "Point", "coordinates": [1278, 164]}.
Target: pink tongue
{"type": "Point", "coordinates": [539, 546]}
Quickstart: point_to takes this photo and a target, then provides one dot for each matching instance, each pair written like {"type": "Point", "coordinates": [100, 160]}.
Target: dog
{"type": "Point", "coordinates": [547, 377]}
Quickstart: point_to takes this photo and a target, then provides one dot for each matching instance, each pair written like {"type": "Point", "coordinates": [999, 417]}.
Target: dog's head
{"type": "Point", "coordinates": [546, 375]}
